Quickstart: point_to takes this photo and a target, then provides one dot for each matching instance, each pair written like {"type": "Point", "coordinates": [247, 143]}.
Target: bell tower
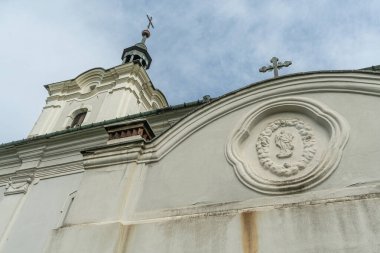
{"type": "Point", "coordinates": [102, 94]}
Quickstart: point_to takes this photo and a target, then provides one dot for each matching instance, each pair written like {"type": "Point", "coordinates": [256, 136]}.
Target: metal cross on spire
{"type": "Point", "coordinates": [146, 32]}
{"type": "Point", "coordinates": [150, 24]}
{"type": "Point", "coordinates": [276, 65]}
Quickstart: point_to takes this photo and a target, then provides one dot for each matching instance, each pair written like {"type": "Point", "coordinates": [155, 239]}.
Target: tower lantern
{"type": "Point", "coordinates": [139, 52]}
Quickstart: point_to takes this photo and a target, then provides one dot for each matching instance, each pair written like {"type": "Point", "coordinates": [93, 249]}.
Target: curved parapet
{"type": "Point", "coordinates": [322, 126]}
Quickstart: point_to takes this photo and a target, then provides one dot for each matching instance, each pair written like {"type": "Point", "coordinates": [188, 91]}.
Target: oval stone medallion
{"type": "Point", "coordinates": [287, 145]}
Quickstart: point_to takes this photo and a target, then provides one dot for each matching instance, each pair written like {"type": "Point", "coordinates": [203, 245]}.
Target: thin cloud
{"type": "Point", "coordinates": [198, 47]}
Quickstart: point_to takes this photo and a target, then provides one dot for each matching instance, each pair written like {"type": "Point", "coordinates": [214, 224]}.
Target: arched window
{"type": "Point", "coordinates": [78, 119]}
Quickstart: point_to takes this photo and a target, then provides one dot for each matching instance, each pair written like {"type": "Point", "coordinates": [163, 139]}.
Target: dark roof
{"type": "Point", "coordinates": [373, 68]}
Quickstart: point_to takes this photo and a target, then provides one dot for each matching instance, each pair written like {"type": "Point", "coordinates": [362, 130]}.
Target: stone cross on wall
{"type": "Point", "coordinates": [276, 65]}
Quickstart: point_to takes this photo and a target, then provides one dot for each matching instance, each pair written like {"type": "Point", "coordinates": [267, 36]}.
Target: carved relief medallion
{"type": "Point", "coordinates": [284, 141]}
{"type": "Point", "coordinates": [287, 145]}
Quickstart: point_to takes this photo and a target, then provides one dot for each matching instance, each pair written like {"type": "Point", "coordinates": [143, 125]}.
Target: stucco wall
{"type": "Point", "coordinates": [197, 170]}
{"type": "Point", "coordinates": [26, 221]}
{"type": "Point", "coordinates": [182, 192]}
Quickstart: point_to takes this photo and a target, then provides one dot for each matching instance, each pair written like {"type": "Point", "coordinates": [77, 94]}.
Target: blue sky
{"type": "Point", "coordinates": [198, 47]}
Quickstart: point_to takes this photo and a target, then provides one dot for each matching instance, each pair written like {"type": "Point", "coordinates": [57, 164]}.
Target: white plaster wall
{"type": "Point", "coordinates": [188, 234]}
{"type": "Point", "coordinates": [111, 104]}
{"type": "Point", "coordinates": [91, 238]}
{"type": "Point", "coordinates": [46, 120]}
{"type": "Point", "coordinates": [336, 225]}
{"type": "Point", "coordinates": [197, 171]}
{"type": "Point", "coordinates": [191, 200]}
{"type": "Point", "coordinates": [101, 196]}
{"type": "Point", "coordinates": [8, 207]}
{"type": "Point", "coordinates": [172, 205]}
{"type": "Point", "coordinates": [360, 159]}
{"type": "Point", "coordinates": [39, 211]}
{"type": "Point", "coordinates": [134, 106]}
{"type": "Point", "coordinates": [349, 226]}
{"type": "Point", "coordinates": [106, 110]}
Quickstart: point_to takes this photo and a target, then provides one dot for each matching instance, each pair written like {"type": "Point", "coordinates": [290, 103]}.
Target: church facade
{"type": "Point", "coordinates": [289, 164]}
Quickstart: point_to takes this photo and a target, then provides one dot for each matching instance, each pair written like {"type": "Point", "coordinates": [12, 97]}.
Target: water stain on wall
{"type": "Point", "coordinates": [249, 232]}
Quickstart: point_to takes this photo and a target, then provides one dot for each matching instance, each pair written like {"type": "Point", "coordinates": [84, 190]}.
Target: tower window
{"type": "Point", "coordinates": [78, 119]}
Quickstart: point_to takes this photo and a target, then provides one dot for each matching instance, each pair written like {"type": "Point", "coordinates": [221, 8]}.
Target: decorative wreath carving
{"type": "Point", "coordinates": [291, 156]}
{"type": "Point", "coordinates": [288, 168]}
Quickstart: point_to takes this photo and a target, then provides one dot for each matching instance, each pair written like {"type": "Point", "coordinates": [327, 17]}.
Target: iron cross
{"type": "Point", "coordinates": [150, 21]}
{"type": "Point", "coordinates": [276, 65]}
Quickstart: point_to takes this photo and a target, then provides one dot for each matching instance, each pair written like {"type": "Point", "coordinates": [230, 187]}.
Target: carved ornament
{"type": "Point", "coordinates": [287, 145]}
{"type": "Point", "coordinates": [283, 141]}
{"type": "Point", "coordinates": [18, 184]}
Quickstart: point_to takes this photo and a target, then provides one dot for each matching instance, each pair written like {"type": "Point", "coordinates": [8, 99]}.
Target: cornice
{"type": "Point", "coordinates": [58, 155]}
{"type": "Point", "coordinates": [59, 170]}
{"type": "Point", "coordinates": [75, 142]}
{"type": "Point", "coordinates": [113, 154]}
{"type": "Point", "coordinates": [46, 172]}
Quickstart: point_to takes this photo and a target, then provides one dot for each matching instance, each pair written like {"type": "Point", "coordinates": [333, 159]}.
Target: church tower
{"type": "Point", "coordinates": [102, 94]}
